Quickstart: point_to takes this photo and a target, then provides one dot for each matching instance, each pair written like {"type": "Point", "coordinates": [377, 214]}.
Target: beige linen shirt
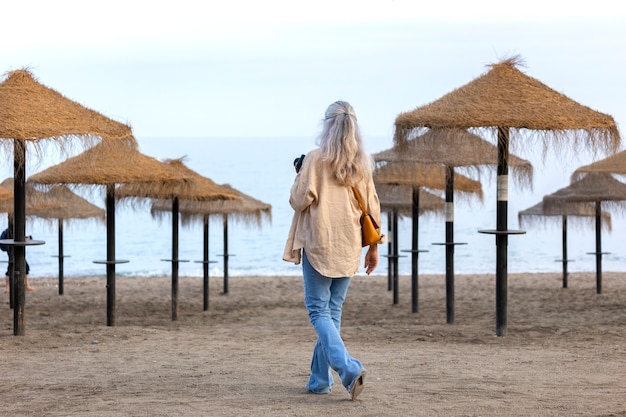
{"type": "Point", "coordinates": [326, 222]}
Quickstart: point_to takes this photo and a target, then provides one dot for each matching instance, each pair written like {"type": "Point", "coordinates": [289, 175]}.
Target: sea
{"type": "Point", "coordinates": [262, 167]}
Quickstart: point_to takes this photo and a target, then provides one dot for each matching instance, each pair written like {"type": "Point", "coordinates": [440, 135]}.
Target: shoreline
{"type": "Point", "coordinates": [359, 274]}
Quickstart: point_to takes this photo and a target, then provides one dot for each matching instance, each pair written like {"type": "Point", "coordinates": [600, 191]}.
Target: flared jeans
{"type": "Point", "coordinates": [324, 299]}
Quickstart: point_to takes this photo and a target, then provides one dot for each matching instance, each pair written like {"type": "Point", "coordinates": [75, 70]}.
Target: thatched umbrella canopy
{"type": "Point", "coordinates": [418, 175]}
{"type": "Point", "coordinates": [582, 213]}
{"type": "Point", "coordinates": [613, 164]}
{"type": "Point", "coordinates": [245, 209]}
{"type": "Point", "coordinates": [31, 112]}
{"type": "Point", "coordinates": [74, 207]}
{"type": "Point", "coordinates": [431, 176]}
{"type": "Point", "coordinates": [593, 188]}
{"type": "Point", "coordinates": [36, 200]}
{"type": "Point", "coordinates": [454, 148]}
{"type": "Point", "coordinates": [107, 164]}
{"type": "Point", "coordinates": [400, 198]}
{"type": "Point", "coordinates": [110, 163]}
{"type": "Point", "coordinates": [198, 188]}
{"type": "Point", "coordinates": [507, 102]}
{"type": "Point", "coordinates": [505, 97]}
{"type": "Point", "coordinates": [6, 195]}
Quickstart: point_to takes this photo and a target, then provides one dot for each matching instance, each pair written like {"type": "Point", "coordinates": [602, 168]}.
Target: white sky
{"type": "Point", "coordinates": [270, 68]}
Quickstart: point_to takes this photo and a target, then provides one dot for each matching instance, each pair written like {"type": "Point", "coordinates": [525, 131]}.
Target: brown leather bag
{"type": "Point", "coordinates": [369, 234]}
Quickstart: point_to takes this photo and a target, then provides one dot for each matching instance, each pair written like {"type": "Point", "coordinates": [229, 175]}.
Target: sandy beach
{"type": "Point", "coordinates": [248, 355]}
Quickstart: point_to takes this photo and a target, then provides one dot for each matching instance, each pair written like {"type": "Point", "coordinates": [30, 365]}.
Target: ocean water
{"type": "Point", "coordinates": [262, 167]}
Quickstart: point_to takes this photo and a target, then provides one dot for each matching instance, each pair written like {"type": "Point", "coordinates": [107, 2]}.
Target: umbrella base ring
{"type": "Point", "coordinates": [503, 232]}
{"type": "Point", "coordinates": [118, 261]}
{"type": "Point", "coordinates": [31, 242]}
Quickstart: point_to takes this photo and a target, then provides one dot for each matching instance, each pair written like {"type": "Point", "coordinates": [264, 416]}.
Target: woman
{"type": "Point", "coordinates": [326, 236]}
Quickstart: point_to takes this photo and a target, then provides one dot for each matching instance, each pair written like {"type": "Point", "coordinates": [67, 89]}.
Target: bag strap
{"type": "Point", "coordinates": [358, 197]}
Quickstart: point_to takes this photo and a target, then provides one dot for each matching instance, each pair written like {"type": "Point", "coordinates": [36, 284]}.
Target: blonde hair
{"type": "Point", "coordinates": [341, 145]}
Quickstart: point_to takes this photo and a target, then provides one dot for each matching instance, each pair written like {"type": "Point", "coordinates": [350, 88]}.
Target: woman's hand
{"type": "Point", "coordinates": [371, 259]}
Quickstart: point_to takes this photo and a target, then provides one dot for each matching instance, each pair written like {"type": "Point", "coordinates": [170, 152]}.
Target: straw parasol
{"type": "Point", "coordinates": [35, 200]}
{"type": "Point", "coordinates": [107, 164]}
{"type": "Point", "coordinates": [510, 104]}
{"type": "Point", "coordinates": [506, 97]}
{"type": "Point", "coordinates": [417, 175]}
{"type": "Point", "coordinates": [6, 194]}
{"type": "Point", "coordinates": [431, 176]}
{"type": "Point", "coordinates": [594, 188]}
{"type": "Point", "coordinates": [198, 188]}
{"type": "Point", "coordinates": [453, 148]}
{"type": "Point", "coordinates": [399, 197]}
{"type": "Point", "coordinates": [74, 207]}
{"type": "Point", "coordinates": [397, 201]}
{"type": "Point", "coordinates": [31, 112]}
{"type": "Point", "coordinates": [582, 213]}
{"type": "Point", "coordinates": [245, 209]}
{"type": "Point", "coordinates": [613, 164]}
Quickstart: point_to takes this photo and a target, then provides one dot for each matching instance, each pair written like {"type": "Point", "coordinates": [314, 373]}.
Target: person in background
{"type": "Point", "coordinates": [6, 234]}
{"type": "Point", "coordinates": [325, 236]}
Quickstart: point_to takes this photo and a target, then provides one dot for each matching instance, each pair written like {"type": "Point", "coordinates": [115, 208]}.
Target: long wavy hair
{"type": "Point", "coordinates": [341, 145]}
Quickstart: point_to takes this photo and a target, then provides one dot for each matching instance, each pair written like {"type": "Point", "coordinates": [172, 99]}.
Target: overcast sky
{"type": "Point", "coordinates": [270, 68]}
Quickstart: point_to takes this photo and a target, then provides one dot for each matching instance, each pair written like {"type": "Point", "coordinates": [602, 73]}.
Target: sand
{"type": "Point", "coordinates": [248, 355]}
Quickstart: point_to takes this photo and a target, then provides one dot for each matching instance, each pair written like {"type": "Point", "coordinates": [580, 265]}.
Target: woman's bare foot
{"type": "Point", "coordinates": [7, 290]}
{"type": "Point", "coordinates": [29, 288]}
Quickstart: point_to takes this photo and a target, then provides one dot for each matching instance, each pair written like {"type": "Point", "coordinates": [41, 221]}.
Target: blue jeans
{"type": "Point", "coordinates": [324, 299]}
